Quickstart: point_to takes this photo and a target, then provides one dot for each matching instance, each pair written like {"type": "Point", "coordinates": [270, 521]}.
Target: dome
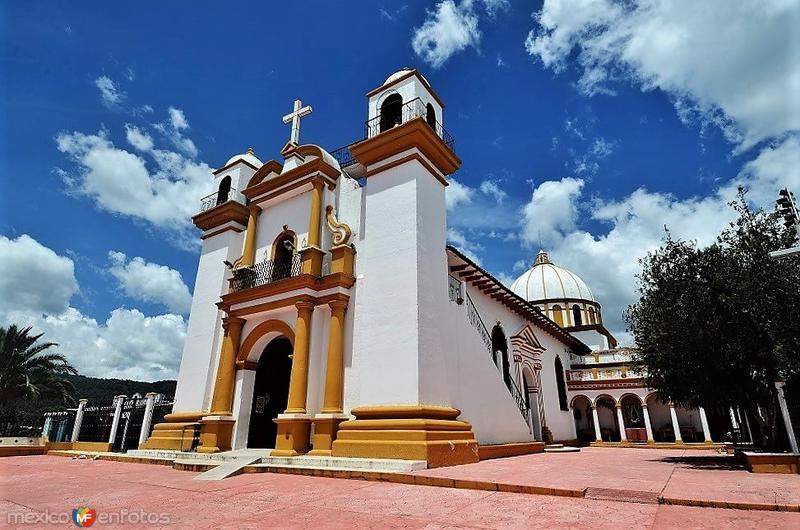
{"type": "Point", "coordinates": [400, 73]}
{"type": "Point", "coordinates": [249, 157]}
{"type": "Point", "coordinates": [545, 281]}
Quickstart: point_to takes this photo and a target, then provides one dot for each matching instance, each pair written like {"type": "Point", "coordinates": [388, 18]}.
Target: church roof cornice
{"type": "Point", "coordinates": [473, 272]}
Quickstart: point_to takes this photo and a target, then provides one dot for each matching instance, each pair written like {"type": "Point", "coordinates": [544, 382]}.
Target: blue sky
{"type": "Point", "coordinates": [584, 127]}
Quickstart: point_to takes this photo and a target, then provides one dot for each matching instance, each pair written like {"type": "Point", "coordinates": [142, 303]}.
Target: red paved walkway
{"type": "Point", "coordinates": [38, 483]}
{"type": "Point", "coordinates": [686, 475]}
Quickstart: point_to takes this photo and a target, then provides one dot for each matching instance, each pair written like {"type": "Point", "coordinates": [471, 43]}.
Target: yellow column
{"type": "Point", "coordinates": [249, 251]}
{"type": "Point", "coordinates": [217, 427]}
{"type": "Point", "coordinates": [226, 371]}
{"type": "Point", "coordinates": [311, 256]}
{"type": "Point", "coordinates": [315, 216]}
{"type": "Point", "coordinates": [294, 424]}
{"type": "Point", "coordinates": [298, 379]}
{"type": "Point", "coordinates": [334, 375]}
{"type": "Point", "coordinates": [327, 423]}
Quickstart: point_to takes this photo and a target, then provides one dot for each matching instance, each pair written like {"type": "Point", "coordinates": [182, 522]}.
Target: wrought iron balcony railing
{"type": "Point", "coordinates": [264, 273]}
{"type": "Point", "coordinates": [344, 156]}
{"type": "Point", "coordinates": [415, 108]}
{"type": "Point", "coordinates": [221, 197]}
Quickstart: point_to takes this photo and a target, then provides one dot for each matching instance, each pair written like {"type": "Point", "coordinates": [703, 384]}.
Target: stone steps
{"type": "Point", "coordinates": [561, 448]}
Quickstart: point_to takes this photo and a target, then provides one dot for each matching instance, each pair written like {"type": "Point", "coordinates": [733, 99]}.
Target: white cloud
{"type": "Point", "coordinates": [551, 211]}
{"type": "Point", "coordinates": [36, 286]}
{"type": "Point", "coordinates": [457, 193]}
{"type": "Point", "coordinates": [150, 282]}
{"type": "Point", "coordinates": [448, 29]}
{"type": "Point", "coordinates": [34, 278]}
{"type": "Point", "coordinates": [465, 245]}
{"type": "Point", "coordinates": [127, 345]}
{"type": "Point", "coordinates": [173, 130]}
{"type": "Point", "coordinates": [119, 181]}
{"type": "Point", "coordinates": [491, 188]}
{"type": "Point", "coordinates": [178, 119]}
{"type": "Point", "coordinates": [109, 91]}
{"type": "Point", "coordinates": [138, 138]}
{"type": "Point", "coordinates": [729, 63]}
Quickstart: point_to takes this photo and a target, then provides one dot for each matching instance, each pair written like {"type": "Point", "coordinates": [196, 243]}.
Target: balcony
{"type": "Point", "coordinates": [264, 273]}
{"type": "Point", "coordinates": [220, 197]}
{"type": "Point", "coordinates": [409, 111]}
{"type": "Point", "coordinates": [604, 374]}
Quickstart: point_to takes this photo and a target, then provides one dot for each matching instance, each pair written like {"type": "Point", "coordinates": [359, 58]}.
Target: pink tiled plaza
{"type": "Point", "coordinates": [613, 488]}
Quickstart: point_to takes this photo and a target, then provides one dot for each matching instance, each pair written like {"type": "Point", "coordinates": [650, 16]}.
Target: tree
{"type": "Point", "coordinates": [27, 371]}
{"type": "Point", "coordinates": [717, 326]}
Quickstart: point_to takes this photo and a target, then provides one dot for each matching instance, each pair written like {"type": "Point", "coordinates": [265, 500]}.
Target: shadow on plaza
{"type": "Point", "coordinates": [727, 462]}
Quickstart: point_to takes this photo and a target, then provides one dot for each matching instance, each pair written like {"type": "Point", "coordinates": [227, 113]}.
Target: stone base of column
{"type": "Point", "coordinates": [175, 433]}
{"type": "Point", "coordinates": [216, 433]}
{"type": "Point", "coordinates": [293, 434]}
{"type": "Point", "coordinates": [411, 432]}
{"type": "Point", "coordinates": [325, 429]}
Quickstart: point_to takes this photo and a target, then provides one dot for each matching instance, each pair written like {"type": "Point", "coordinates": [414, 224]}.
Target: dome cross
{"type": "Point", "coordinates": [294, 118]}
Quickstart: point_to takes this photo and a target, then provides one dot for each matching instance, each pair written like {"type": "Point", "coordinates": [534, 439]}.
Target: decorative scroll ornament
{"type": "Point", "coordinates": [341, 232]}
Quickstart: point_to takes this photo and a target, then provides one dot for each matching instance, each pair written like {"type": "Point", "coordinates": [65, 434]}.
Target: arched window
{"type": "Point", "coordinates": [592, 318]}
{"type": "Point", "coordinates": [576, 315]}
{"type": "Point", "coordinates": [557, 317]}
{"type": "Point", "coordinates": [283, 251]}
{"type": "Point", "coordinates": [562, 386]}
{"type": "Point", "coordinates": [500, 346]}
{"type": "Point", "coordinates": [391, 112]}
{"type": "Point", "coordinates": [224, 190]}
{"type": "Point", "coordinates": [430, 116]}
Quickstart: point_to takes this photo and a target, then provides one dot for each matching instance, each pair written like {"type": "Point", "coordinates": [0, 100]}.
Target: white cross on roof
{"type": "Point", "coordinates": [294, 117]}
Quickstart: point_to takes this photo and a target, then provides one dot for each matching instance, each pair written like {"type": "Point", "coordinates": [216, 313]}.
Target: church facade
{"type": "Point", "coordinates": [330, 317]}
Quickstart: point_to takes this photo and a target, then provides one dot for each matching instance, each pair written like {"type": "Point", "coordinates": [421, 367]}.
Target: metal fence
{"type": "Point", "coordinates": [410, 110]}
{"type": "Point", "coordinates": [265, 272]}
{"type": "Point", "coordinates": [96, 424]}
{"type": "Point", "coordinates": [130, 425]}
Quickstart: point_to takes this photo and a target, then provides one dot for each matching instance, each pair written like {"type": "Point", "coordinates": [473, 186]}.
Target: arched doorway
{"type": "Point", "coordinates": [430, 116]}
{"type": "Point", "coordinates": [532, 401]}
{"type": "Point", "coordinates": [270, 392]}
{"type": "Point", "coordinates": [607, 417]}
{"type": "Point", "coordinates": [584, 423]}
{"type": "Point", "coordinates": [632, 413]}
{"type": "Point", "coordinates": [391, 112]}
{"type": "Point", "coordinates": [500, 352]}
{"type": "Point", "coordinates": [561, 385]}
{"type": "Point", "coordinates": [224, 190]}
{"type": "Point", "coordinates": [283, 250]}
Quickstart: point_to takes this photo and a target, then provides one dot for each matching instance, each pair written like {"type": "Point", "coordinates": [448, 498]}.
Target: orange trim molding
{"type": "Point", "coordinates": [218, 215]}
{"type": "Point", "coordinates": [259, 331]}
{"type": "Point", "coordinates": [264, 171]}
{"type": "Point", "coordinates": [412, 134]}
{"type": "Point", "coordinates": [327, 172]}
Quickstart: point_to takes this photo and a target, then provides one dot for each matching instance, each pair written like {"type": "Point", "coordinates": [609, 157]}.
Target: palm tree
{"type": "Point", "coordinates": [27, 371]}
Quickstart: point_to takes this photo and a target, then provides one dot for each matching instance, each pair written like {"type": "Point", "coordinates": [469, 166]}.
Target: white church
{"type": "Point", "coordinates": [331, 318]}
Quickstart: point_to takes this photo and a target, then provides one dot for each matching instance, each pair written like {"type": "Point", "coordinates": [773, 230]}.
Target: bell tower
{"type": "Point", "coordinates": [402, 279]}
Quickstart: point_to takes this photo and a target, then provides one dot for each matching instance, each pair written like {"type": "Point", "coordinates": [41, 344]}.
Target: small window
{"type": "Point", "coordinates": [576, 315]}
{"type": "Point", "coordinates": [430, 116]}
{"type": "Point", "coordinates": [391, 112]}
{"type": "Point", "coordinates": [557, 316]}
{"type": "Point", "coordinates": [224, 190]}
{"type": "Point", "coordinates": [592, 317]}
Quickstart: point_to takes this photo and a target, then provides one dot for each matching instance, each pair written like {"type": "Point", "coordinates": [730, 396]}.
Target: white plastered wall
{"type": "Point", "coordinates": [201, 349]}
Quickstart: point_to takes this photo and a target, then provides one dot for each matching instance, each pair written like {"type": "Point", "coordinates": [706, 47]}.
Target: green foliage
{"type": "Point", "coordinates": [719, 325]}
{"type": "Point", "coordinates": [28, 371]}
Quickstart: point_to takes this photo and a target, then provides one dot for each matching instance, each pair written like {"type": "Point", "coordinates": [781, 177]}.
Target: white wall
{"type": "Point", "coordinates": [201, 349]}
{"type": "Point", "coordinates": [560, 422]}
{"type": "Point", "coordinates": [385, 312]}
{"type": "Point", "coordinates": [292, 212]}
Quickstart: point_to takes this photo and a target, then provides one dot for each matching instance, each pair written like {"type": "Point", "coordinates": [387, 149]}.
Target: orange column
{"type": "Point", "coordinates": [298, 380]}
{"type": "Point", "coordinates": [226, 371]}
{"type": "Point", "coordinates": [249, 250]}
{"type": "Point", "coordinates": [334, 375]}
